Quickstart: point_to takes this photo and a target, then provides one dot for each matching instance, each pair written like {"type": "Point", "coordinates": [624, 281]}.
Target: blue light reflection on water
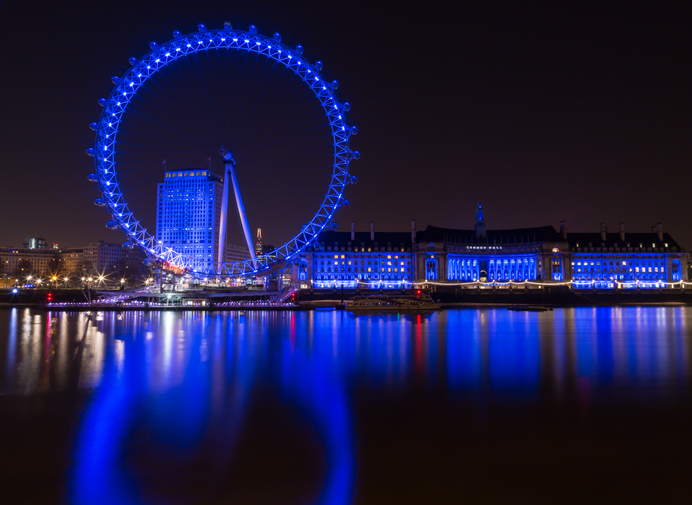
{"type": "Point", "coordinates": [183, 376]}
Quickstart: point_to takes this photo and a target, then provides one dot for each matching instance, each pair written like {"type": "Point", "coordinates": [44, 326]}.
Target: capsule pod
{"type": "Point", "coordinates": [90, 151]}
{"type": "Point", "coordinates": [356, 154]}
{"type": "Point", "coordinates": [318, 66]}
{"type": "Point", "coordinates": [177, 34]}
{"type": "Point", "coordinates": [102, 102]}
{"type": "Point", "coordinates": [93, 178]}
{"type": "Point", "coordinates": [335, 85]}
{"type": "Point", "coordinates": [299, 50]}
{"type": "Point", "coordinates": [334, 225]}
{"type": "Point", "coordinates": [100, 202]}
{"type": "Point", "coordinates": [94, 126]}
{"type": "Point", "coordinates": [277, 37]}
{"type": "Point", "coordinates": [227, 25]}
{"type": "Point", "coordinates": [253, 29]}
{"type": "Point", "coordinates": [133, 61]}
{"type": "Point", "coordinates": [115, 79]}
{"type": "Point", "coordinates": [201, 27]}
{"type": "Point", "coordinates": [346, 204]}
{"type": "Point", "coordinates": [354, 179]}
{"type": "Point", "coordinates": [354, 130]}
{"type": "Point", "coordinates": [347, 106]}
{"type": "Point", "coordinates": [128, 245]}
{"type": "Point", "coordinates": [153, 45]}
{"type": "Point", "coordinates": [112, 225]}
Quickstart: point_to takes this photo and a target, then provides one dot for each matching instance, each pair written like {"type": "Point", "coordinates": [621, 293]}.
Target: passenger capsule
{"type": "Point", "coordinates": [93, 178]}
{"type": "Point", "coordinates": [153, 45]}
{"type": "Point", "coordinates": [128, 245]}
{"type": "Point", "coordinates": [346, 204]}
{"type": "Point", "coordinates": [115, 79]}
{"type": "Point", "coordinates": [356, 154]}
{"type": "Point", "coordinates": [318, 66]}
{"type": "Point", "coordinates": [347, 106]}
{"type": "Point", "coordinates": [354, 130]}
{"type": "Point", "coordinates": [277, 37]}
{"type": "Point", "coordinates": [354, 179]}
{"type": "Point", "coordinates": [201, 27]}
{"type": "Point", "coordinates": [253, 29]}
{"type": "Point", "coordinates": [100, 202]}
{"type": "Point", "coordinates": [299, 50]}
{"type": "Point", "coordinates": [227, 25]}
{"type": "Point", "coordinates": [335, 85]}
{"type": "Point", "coordinates": [90, 151]}
{"type": "Point", "coordinates": [102, 102]}
{"type": "Point", "coordinates": [177, 34]}
{"type": "Point", "coordinates": [133, 61]}
{"type": "Point", "coordinates": [112, 225]}
{"type": "Point", "coordinates": [94, 126]}
{"type": "Point", "coordinates": [334, 225]}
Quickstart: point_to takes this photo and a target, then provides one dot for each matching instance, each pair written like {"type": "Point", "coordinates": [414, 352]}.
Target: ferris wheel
{"type": "Point", "coordinates": [255, 106]}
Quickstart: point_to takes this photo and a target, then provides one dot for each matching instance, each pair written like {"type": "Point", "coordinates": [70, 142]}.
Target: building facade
{"type": "Point", "coordinates": [533, 256]}
{"type": "Point", "coordinates": [21, 262]}
{"type": "Point", "coordinates": [187, 214]}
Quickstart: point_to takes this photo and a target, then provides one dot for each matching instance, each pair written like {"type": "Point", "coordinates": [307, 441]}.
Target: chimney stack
{"type": "Point", "coordinates": [622, 232]}
{"type": "Point", "coordinates": [413, 231]}
{"type": "Point", "coordinates": [604, 231]}
{"type": "Point", "coordinates": [372, 230]}
{"type": "Point", "coordinates": [563, 229]}
{"type": "Point", "coordinates": [659, 230]}
{"type": "Point", "coordinates": [353, 231]}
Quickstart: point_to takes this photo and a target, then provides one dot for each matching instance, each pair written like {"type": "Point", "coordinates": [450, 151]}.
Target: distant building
{"type": "Point", "coordinates": [258, 244]}
{"type": "Point", "coordinates": [187, 214]}
{"type": "Point", "coordinates": [542, 254]}
{"type": "Point", "coordinates": [374, 259]}
{"type": "Point", "coordinates": [34, 243]}
{"type": "Point", "coordinates": [72, 261]}
{"type": "Point", "coordinates": [103, 257]}
{"type": "Point", "coordinates": [23, 261]}
{"type": "Point", "coordinates": [237, 253]}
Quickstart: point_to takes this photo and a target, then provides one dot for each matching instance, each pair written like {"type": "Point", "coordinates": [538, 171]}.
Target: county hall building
{"type": "Point", "coordinates": [395, 260]}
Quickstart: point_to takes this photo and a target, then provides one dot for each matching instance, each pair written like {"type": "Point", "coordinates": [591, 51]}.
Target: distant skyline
{"type": "Point", "coordinates": [543, 112]}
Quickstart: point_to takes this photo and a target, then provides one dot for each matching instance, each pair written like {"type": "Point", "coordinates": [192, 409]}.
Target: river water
{"type": "Point", "coordinates": [480, 406]}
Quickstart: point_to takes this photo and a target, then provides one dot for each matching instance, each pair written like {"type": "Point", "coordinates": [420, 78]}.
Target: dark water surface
{"type": "Point", "coordinates": [487, 406]}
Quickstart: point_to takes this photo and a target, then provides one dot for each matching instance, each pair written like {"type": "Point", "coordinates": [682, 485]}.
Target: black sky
{"type": "Point", "coordinates": [562, 110]}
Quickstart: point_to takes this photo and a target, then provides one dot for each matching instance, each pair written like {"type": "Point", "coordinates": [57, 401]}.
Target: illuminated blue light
{"type": "Point", "coordinates": [296, 244]}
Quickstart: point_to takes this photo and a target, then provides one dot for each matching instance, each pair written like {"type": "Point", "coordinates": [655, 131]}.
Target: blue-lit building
{"type": "Point", "coordinates": [357, 259]}
{"type": "Point", "coordinates": [532, 256]}
{"type": "Point", "coordinates": [187, 214]}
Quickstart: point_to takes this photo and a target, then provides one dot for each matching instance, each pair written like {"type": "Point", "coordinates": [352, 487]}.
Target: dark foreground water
{"type": "Point", "coordinates": [466, 406]}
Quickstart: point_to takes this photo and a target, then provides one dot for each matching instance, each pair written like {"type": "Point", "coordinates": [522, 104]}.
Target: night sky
{"type": "Point", "coordinates": [575, 111]}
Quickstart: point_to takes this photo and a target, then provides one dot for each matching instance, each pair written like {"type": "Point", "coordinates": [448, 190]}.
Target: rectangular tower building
{"type": "Point", "coordinates": [187, 214]}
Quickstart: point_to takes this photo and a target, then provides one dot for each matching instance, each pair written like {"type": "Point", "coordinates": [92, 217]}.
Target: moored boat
{"type": "Point", "coordinates": [400, 303]}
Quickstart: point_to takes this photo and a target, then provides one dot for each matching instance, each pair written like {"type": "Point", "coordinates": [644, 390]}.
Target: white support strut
{"type": "Point", "coordinates": [229, 173]}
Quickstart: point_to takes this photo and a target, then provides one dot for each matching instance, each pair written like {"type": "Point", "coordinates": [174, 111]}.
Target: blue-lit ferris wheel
{"type": "Point", "coordinates": [122, 103]}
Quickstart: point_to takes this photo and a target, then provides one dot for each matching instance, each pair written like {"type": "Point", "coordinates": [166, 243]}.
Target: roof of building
{"type": "Point", "coordinates": [518, 235]}
{"type": "Point", "coordinates": [382, 238]}
{"type": "Point", "coordinates": [634, 240]}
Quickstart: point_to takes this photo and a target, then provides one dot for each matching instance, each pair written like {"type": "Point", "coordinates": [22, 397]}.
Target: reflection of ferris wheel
{"type": "Point", "coordinates": [138, 118]}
